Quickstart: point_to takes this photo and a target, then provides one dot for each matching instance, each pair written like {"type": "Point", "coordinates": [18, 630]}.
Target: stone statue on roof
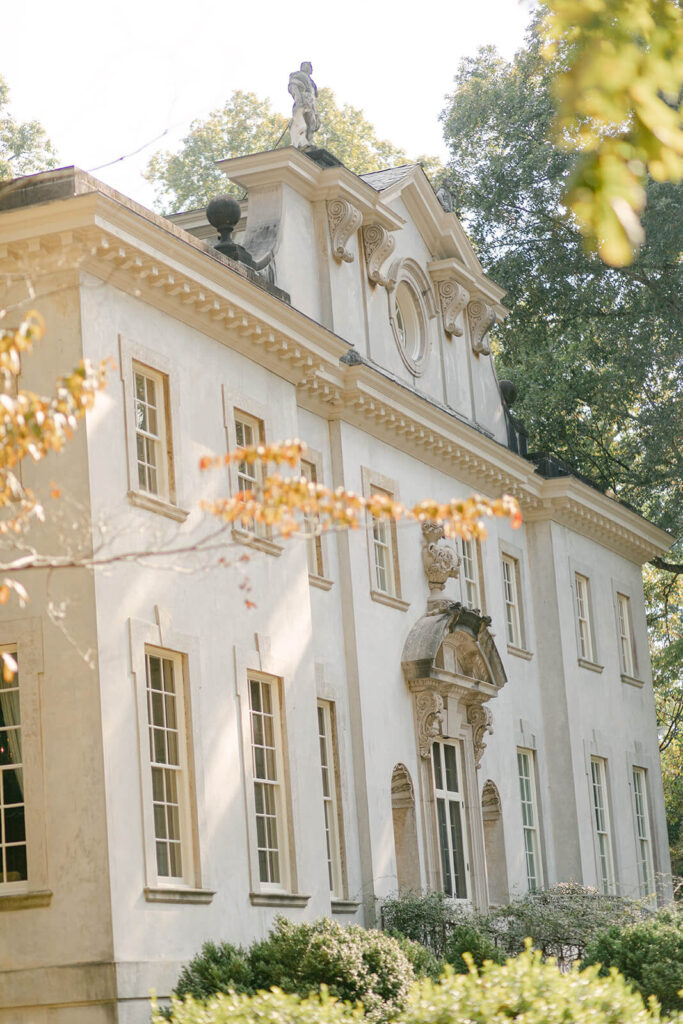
{"type": "Point", "coordinates": [305, 120]}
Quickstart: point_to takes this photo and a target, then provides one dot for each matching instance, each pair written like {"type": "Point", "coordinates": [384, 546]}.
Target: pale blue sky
{"type": "Point", "coordinates": [106, 79]}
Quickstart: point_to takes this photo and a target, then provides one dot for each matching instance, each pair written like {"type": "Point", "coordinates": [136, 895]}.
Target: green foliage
{"type": "Point", "coordinates": [618, 89]}
{"type": "Point", "coordinates": [355, 965]}
{"type": "Point", "coordinates": [263, 1008]}
{"type": "Point", "coordinates": [422, 917]}
{"type": "Point", "coordinates": [528, 991]}
{"type": "Point", "coordinates": [422, 960]}
{"type": "Point", "coordinates": [219, 967]}
{"type": "Point", "coordinates": [24, 147]}
{"type": "Point", "coordinates": [466, 938]}
{"type": "Point", "coordinates": [649, 955]}
{"type": "Point", "coordinates": [247, 124]}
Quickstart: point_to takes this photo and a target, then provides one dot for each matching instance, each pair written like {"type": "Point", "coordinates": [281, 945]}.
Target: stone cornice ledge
{"type": "Point", "coordinates": [177, 894]}
{"type": "Point", "coordinates": [25, 900]}
{"type": "Point", "coordinates": [278, 899]}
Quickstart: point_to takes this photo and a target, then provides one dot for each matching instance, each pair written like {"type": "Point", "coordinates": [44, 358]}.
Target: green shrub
{"type": "Point", "coordinates": [423, 961]}
{"type": "Point", "coordinates": [219, 967]}
{"type": "Point", "coordinates": [528, 990]}
{"type": "Point", "coordinates": [649, 954]}
{"type": "Point", "coordinates": [422, 917]}
{"type": "Point", "coordinates": [466, 938]}
{"type": "Point", "coordinates": [356, 964]}
{"type": "Point", "coordinates": [263, 1008]}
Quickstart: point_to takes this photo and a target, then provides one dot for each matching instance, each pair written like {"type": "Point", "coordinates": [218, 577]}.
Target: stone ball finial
{"type": "Point", "coordinates": [223, 213]}
{"type": "Point", "coordinates": [509, 391]}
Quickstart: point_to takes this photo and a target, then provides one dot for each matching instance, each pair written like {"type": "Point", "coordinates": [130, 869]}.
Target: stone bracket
{"type": "Point", "coordinates": [453, 298]}
{"type": "Point", "coordinates": [430, 710]}
{"type": "Point", "coordinates": [480, 718]}
{"type": "Point", "coordinates": [378, 245]}
{"type": "Point", "coordinates": [481, 318]}
{"type": "Point", "coordinates": [344, 220]}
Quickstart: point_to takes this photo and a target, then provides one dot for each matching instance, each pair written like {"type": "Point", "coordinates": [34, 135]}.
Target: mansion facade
{"type": "Point", "coordinates": [194, 747]}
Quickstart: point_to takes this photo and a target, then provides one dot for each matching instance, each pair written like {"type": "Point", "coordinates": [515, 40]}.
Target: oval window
{"type": "Point", "coordinates": [409, 326]}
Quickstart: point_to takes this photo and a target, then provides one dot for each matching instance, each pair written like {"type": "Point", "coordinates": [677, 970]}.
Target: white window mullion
{"type": "Point", "coordinates": [601, 825]}
{"type": "Point", "coordinates": [527, 788]}
{"type": "Point", "coordinates": [330, 797]}
{"type": "Point", "coordinates": [13, 851]}
{"type": "Point", "coordinates": [150, 432]}
{"type": "Point", "coordinates": [511, 596]}
{"type": "Point", "coordinates": [450, 818]}
{"type": "Point", "coordinates": [470, 573]}
{"type": "Point", "coordinates": [625, 638]}
{"type": "Point", "coordinates": [267, 776]}
{"type": "Point", "coordinates": [583, 612]}
{"type": "Point", "coordinates": [642, 820]}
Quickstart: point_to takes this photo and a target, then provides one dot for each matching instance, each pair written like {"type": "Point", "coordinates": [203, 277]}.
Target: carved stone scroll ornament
{"type": "Point", "coordinates": [480, 719]}
{"type": "Point", "coordinates": [344, 220]}
{"type": "Point", "coordinates": [430, 716]}
{"type": "Point", "coordinates": [439, 558]}
{"type": "Point", "coordinates": [481, 317]}
{"type": "Point", "coordinates": [378, 245]}
{"type": "Point", "coordinates": [453, 298]}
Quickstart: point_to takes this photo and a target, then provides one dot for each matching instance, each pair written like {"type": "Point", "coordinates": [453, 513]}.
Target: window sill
{"type": "Point", "coordinates": [25, 900]}
{"type": "Point", "coordinates": [152, 504]}
{"type": "Point", "coordinates": [520, 652]}
{"type": "Point", "coordinates": [592, 666]}
{"type": "Point", "coordinates": [320, 581]}
{"type": "Point", "coordinates": [392, 602]}
{"type": "Point", "coordinates": [632, 681]}
{"type": "Point", "coordinates": [252, 540]}
{"type": "Point", "coordinates": [344, 906]}
{"type": "Point", "coordinates": [177, 894]}
{"type": "Point", "coordinates": [278, 899]}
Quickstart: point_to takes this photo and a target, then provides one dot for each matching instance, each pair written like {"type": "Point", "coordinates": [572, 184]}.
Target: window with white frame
{"type": "Point", "coordinates": [511, 592]}
{"type": "Point", "coordinates": [642, 822]}
{"type": "Point", "coordinates": [314, 543]}
{"type": "Point", "coordinates": [527, 792]}
{"type": "Point", "coordinates": [250, 475]}
{"type": "Point", "coordinates": [384, 551]}
{"type": "Point", "coordinates": [601, 824]}
{"type": "Point", "coordinates": [268, 781]}
{"type": "Point", "coordinates": [151, 433]}
{"type": "Point", "coordinates": [13, 863]}
{"type": "Point", "coordinates": [169, 765]}
{"type": "Point", "coordinates": [626, 652]}
{"type": "Point", "coordinates": [583, 617]}
{"type": "Point", "coordinates": [449, 794]}
{"type": "Point", "coordinates": [330, 782]}
{"type": "Point", "coordinates": [470, 573]}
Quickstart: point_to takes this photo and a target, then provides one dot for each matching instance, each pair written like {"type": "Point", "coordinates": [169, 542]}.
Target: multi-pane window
{"type": "Point", "coordinates": [450, 817]}
{"type": "Point", "coordinates": [642, 820]}
{"type": "Point", "coordinates": [470, 573]}
{"type": "Point", "coordinates": [625, 636]}
{"type": "Point", "coordinates": [601, 824]}
{"type": "Point", "coordinates": [13, 866]}
{"type": "Point", "coordinates": [511, 597]}
{"type": "Point", "coordinates": [527, 792]}
{"type": "Point", "coordinates": [314, 543]}
{"type": "Point", "coordinates": [266, 751]}
{"type": "Point", "coordinates": [330, 795]}
{"type": "Point", "coordinates": [249, 431]}
{"type": "Point", "coordinates": [583, 617]}
{"type": "Point", "coordinates": [150, 432]}
{"type": "Point", "coordinates": [383, 550]}
{"type": "Point", "coordinates": [167, 754]}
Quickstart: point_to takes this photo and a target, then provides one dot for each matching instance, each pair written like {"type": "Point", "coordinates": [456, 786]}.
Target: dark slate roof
{"type": "Point", "coordinates": [384, 179]}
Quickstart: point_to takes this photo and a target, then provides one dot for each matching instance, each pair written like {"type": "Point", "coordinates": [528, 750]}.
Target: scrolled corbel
{"type": "Point", "coordinates": [344, 220]}
{"type": "Point", "coordinates": [481, 317]}
{"type": "Point", "coordinates": [378, 245]}
{"type": "Point", "coordinates": [453, 298]}
{"type": "Point", "coordinates": [480, 718]}
{"type": "Point", "coordinates": [430, 716]}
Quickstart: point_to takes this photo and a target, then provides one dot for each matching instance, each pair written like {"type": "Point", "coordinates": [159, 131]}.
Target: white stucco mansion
{"type": "Point", "coordinates": [350, 735]}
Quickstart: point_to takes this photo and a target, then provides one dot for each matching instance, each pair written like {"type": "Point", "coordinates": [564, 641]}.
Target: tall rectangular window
{"type": "Point", "coordinates": [314, 544]}
{"type": "Point", "coordinates": [583, 617]}
{"type": "Point", "coordinates": [511, 597]}
{"type": "Point", "coordinates": [625, 636]}
{"type": "Point", "coordinates": [168, 760]}
{"type": "Point", "coordinates": [384, 551]}
{"type": "Point", "coordinates": [267, 771]}
{"type": "Point", "coordinates": [642, 821]}
{"type": "Point", "coordinates": [13, 866]}
{"type": "Point", "coordinates": [250, 475]}
{"type": "Point", "coordinates": [527, 791]}
{"type": "Point", "coordinates": [330, 795]}
{"type": "Point", "coordinates": [470, 573]}
{"type": "Point", "coordinates": [151, 433]}
{"type": "Point", "coordinates": [601, 824]}
{"type": "Point", "coordinates": [450, 818]}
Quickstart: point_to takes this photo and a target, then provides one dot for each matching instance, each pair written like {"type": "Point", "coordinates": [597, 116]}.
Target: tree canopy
{"type": "Point", "coordinates": [24, 146]}
{"type": "Point", "coordinates": [246, 124]}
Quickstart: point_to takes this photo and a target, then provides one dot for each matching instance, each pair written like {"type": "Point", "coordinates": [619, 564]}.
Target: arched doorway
{"type": "Point", "coordinates": [494, 844]}
{"type": "Point", "coordinates": [405, 829]}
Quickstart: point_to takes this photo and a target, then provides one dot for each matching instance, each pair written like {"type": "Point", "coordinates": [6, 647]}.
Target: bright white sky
{"type": "Point", "coordinates": [106, 79]}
